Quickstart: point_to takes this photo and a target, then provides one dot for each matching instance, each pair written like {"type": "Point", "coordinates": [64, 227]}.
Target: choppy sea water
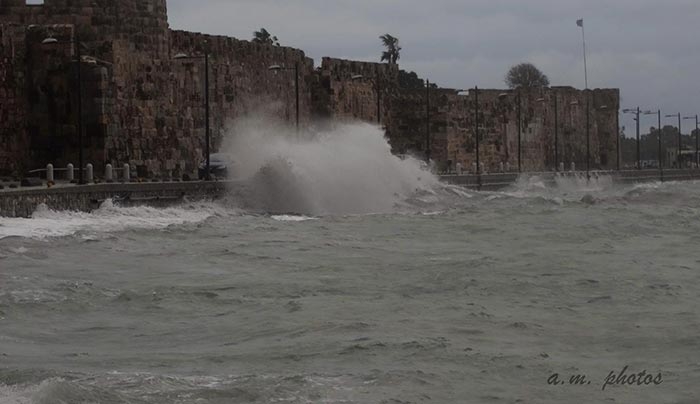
{"type": "Point", "coordinates": [346, 275]}
{"type": "Point", "coordinates": [456, 297]}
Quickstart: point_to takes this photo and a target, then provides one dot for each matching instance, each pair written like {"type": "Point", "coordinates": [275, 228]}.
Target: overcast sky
{"type": "Point", "coordinates": [647, 48]}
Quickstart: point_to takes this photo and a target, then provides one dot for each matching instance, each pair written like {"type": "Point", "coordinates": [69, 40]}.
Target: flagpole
{"type": "Point", "coordinates": [588, 103]}
{"type": "Point", "coordinates": [585, 61]}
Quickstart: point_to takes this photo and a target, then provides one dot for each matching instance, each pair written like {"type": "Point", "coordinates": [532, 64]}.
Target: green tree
{"type": "Point", "coordinates": [264, 37]}
{"type": "Point", "coordinates": [392, 54]}
{"type": "Point", "coordinates": [526, 75]}
{"type": "Point", "coordinates": [411, 81]}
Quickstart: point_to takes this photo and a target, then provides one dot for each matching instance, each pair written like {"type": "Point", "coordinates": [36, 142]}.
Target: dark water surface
{"type": "Point", "coordinates": [469, 298]}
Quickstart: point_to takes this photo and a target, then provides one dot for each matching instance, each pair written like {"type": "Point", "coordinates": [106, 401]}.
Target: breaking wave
{"type": "Point", "coordinates": [346, 170]}
{"type": "Point", "coordinates": [46, 223]}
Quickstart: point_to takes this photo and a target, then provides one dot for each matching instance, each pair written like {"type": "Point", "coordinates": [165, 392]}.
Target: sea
{"type": "Point", "coordinates": [345, 274]}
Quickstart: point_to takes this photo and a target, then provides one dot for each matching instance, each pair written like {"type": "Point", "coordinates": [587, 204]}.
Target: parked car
{"type": "Point", "coordinates": [220, 166]}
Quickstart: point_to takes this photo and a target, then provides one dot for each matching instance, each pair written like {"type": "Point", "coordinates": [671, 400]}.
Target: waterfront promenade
{"type": "Point", "coordinates": [17, 201]}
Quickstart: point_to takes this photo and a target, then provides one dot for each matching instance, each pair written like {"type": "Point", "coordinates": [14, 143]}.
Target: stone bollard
{"type": "Point", "coordinates": [49, 173]}
{"type": "Point", "coordinates": [109, 176]}
{"type": "Point", "coordinates": [459, 168]}
{"type": "Point", "coordinates": [89, 173]}
{"type": "Point", "coordinates": [483, 168]}
{"type": "Point", "coordinates": [474, 168]}
{"type": "Point", "coordinates": [69, 173]}
{"type": "Point", "coordinates": [127, 173]}
{"type": "Point", "coordinates": [561, 167]}
{"type": "Point", "coordinates": [502, 167]}
{"type": "Point", "coordinates": [573, 166]}
{"type": "Point", "coordinates": [507, 167]}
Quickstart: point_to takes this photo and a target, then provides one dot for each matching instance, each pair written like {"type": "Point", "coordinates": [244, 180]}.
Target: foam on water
{"type": "Point", "coordinates": [292, 218]}
{"type": "Point", "coordinates": [46, 223]}
{"type": "Point", "coordinates": [571, 188]}
{"type": "Point", "coordinates": [119, 387]}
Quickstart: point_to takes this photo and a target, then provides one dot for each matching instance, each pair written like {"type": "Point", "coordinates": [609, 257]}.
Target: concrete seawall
{"type": "Point", "coordinates": [22, 202]}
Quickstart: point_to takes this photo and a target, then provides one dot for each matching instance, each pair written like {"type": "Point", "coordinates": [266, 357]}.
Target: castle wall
{"type": "Point", "coordinates": [240, 84]}
{"type": "Point", "coordinates": [123, 39]}
{"type": "Point", "coordinates": [13, 107]}
{"type": "Point", "coordinates": [144, 108]}
{"type": "Point", "coordinates": [141, 106]}
{"type": "Point", "coordinates": [357, 90]}
{"type": "Point", "coordinates": [452, 127]}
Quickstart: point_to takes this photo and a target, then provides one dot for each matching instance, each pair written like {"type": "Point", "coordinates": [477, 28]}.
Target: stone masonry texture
{"type": "Point", "coordinates": [144, 107]}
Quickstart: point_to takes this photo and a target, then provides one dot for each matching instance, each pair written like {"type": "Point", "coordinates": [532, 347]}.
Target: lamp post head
{"type": "Point", "coordinates": [629, 111]}
{"type": "Point", "coordinates": [357, 77]}
{"type": "Point", "coordinates": [181, 56]}
{"type": "Point", "coordinates": [671, 116]}
{"type": "Point", "coordinates": [542, 99]}
{"type": "Point", "coordinates": [688, 117]}
{"type": "Point", "coordinates": [574, 103]}
{"type": "Point", "coordinates": [502, 95]}
{"type": "Point", "coordinates": [275, 67]}
{"type": "Point", "coordinates": [603, 107]}
{"type": "Point", "coordinates": [50, 41]}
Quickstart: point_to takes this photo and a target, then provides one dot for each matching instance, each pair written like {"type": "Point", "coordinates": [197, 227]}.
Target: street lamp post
{"type": "Point", "coordinates": [501, 97]}
{"type": "Point", "coordinates": [575, 157]}
{"type": "Point", "coordinates": [680, 137]}
{"type": "Point", "coordinates": [697, 133]}
{"type": "Point", "coordinates": [617, 138]}
{"type": "Point", "coordinates": [556, 129]}
{"type": "Point", "coordinates": [207, 134]}
{"type": "Point", "coordinates": [427, 121]}
{"type": "Point", "coordinates": [520, 133]}
{"type": "Point", "coordinates": [660, 156]}
{"type": "Point", "coordinates": [617, 126]}
{"type": "Point", "coordinates": [79, 120]}
{"type": "Point", "coordinates": [588, 136]}
{"type": "Point", "coordinates": [478, 139]}
{"type": "Point", "coordinates": [296, 85]}
{"type": "Point", "coordinates": [636, 112]}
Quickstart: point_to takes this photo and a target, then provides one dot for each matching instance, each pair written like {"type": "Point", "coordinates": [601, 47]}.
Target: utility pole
{"type": "Point", "coordinates": [427, 122]}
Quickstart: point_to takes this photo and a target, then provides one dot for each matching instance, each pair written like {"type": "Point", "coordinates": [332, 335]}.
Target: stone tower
{"type": "Point", "coordinates": [146, 21]}
{"type": "Point", "coordinates": [128, 38]}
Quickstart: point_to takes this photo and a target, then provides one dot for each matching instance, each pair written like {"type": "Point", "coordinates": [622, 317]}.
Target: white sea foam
{"type": "Point", "coordinates": [16, 395]}
{"type": "Point", "coordinates": [46, 223]}
{"type": "Point", "coordinates": [292, 218]}
{"type": "Point", "coordinates": [564, 188]}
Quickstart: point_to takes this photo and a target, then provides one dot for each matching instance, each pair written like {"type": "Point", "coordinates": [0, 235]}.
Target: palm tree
{"type": "Point", "coordinates": [263, 36]}
{"type": "Point", "coordinates": [392, 54]}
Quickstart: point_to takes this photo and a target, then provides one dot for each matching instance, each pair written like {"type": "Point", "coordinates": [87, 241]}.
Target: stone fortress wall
{"type": "Point", "coordinates": [143, 107]}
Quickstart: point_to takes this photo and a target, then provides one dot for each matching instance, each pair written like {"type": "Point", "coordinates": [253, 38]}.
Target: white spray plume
{"type": "Point", "coordinates": [346, 170]}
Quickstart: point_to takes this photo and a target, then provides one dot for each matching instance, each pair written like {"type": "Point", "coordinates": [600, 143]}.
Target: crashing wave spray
{"type": "Point", "coordinates": [346, 170]}
{"type": "Point", "coordinates": [564, 187]}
